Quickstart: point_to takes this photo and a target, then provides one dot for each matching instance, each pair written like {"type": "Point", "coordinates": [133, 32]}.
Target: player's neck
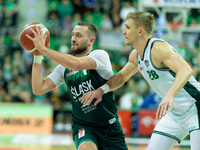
{"type": "Point", "coordinates": [86, 52]}
{"type": "Point", "coordinates": [141, 46]}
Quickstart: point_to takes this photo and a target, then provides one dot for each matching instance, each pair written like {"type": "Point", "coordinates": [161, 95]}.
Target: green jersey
{"type": "Point", "coordinates": [83, 81]}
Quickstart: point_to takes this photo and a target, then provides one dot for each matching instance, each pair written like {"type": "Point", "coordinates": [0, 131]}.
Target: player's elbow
{"type": "Point", "coordinates": [75, 67]}
{"type": "Point", "coordinates": [190, 71]}
{"type": "Point", "coordinates": [37, 92]}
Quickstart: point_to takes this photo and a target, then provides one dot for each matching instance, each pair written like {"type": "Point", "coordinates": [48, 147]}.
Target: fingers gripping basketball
{"type": "Point", "coordinates": [26, 43]}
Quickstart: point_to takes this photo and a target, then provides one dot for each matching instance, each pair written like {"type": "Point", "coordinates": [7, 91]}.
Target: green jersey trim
{"type": "Point", "coordinates": [192, 91]}
{"type": "Point", "coordinates": [145, 49]}
{"type": "Point", "coordinates": [85, 140]}
{"type": "Point", "coordinates": [166, 134]}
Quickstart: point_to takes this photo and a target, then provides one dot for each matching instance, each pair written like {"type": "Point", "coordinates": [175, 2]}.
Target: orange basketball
{"type": "Point", "coordinates": [25, 42]}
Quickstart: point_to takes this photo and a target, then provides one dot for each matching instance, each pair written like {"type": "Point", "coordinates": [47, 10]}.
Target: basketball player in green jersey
{"type": "Point", "coordinates": [94, 127]}
{"type": "Point", "coordinates": [168, 75]}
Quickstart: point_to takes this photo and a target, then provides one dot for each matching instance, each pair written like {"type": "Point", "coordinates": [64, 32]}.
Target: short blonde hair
{"type": "Point", "coordinates": [142, 19]}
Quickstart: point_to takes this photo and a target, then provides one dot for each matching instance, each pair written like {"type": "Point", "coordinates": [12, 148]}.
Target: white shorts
{"type": "Point", "coordinates": [178, 126]}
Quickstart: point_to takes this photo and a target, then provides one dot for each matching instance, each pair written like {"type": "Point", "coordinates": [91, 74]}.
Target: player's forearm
{"type": "Point", "coordinates": [181, 79]}
{"type": "Point", "coordinates": [37, 78]}
{"type": "Point", "coordinates": [66, 60]}
{"type": "Point", "coordinates": [112, 84]}
{"type": "Point", "coordinates": [115, 82]}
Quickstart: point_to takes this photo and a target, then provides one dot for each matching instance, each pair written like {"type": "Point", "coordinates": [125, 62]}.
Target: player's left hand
{"type": "Point", "coordinates": [88, 97]}
{"type": "Point", "coordinates": [165, 104]}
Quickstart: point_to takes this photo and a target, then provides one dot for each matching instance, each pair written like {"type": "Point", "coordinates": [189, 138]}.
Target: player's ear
{"type": "Point", "coordinates": [92, 39]}
{"type": "Point", "coordinates": [141, 31]}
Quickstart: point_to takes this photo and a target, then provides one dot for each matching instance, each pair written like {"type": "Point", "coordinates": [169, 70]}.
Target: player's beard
{"type": "Point", "coordinates": [81, 48]}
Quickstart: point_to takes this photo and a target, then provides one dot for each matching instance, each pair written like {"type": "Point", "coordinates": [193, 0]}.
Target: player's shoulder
{"type": "Point", "coordinates": [159, 43]}
{"type": "Point", "coordinates": [59, 68]}
{"type": "Point", "coordinates": [98, 52]}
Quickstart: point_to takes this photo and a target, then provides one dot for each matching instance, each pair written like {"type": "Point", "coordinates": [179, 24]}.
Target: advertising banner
{"type": "Point", "coordinates": [125, 121]}
{"type": "Point", "coordinates": [25, 118]}
{"type": "Point", "coordinates": [172, 3]}
{"type": "Point", "coordinates": [146, 121]}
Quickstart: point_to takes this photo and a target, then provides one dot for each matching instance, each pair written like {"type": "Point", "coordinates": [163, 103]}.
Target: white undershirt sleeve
{"type": "Point", "coordinates": [57, 76]}
{"type": "Point", "coordinates": [103, 63]}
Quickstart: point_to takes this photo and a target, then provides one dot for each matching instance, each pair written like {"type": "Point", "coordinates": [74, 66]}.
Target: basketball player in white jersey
{"type": "Point", "coordinates": [168, 75]}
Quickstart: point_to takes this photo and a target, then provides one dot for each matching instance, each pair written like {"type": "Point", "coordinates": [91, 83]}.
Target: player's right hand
{"type": "Point", "coordinates": [36, 52]}
{"type": "Point", "coordinates": [88, 97]}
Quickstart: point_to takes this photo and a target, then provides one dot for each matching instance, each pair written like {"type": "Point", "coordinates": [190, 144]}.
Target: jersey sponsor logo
{"type": "Point", "coordinates": [71, 73]}
{"type": "Point", "coordinates": [81, 133]}
{"type": "Point", "coordinates": [88, 108]}
{"type": "Point", "coordinates": [146, 62]}
{"type": "Point", "coordinates": [141, 68]}
{"type": "Point", "coordinates": [82, 88]}
{"type": "Point", "coordinates": [111, 121]}
{"type": "Point", "coordinates": [191, 128]}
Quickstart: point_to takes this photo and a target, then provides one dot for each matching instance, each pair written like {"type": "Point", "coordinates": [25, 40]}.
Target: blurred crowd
{"type": "Point", "coordinates": [106, 15]}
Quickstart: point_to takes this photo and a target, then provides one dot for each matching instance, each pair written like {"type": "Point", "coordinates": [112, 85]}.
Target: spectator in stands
{"type": "Point", "coordinates": [65, 8]}
{"type": "Point", "coordinates": [3, 51]}
{"type": "Point", "coordinates": [126, 8]}
{"type": "Point", "coordinates": [17, 62]}
{"type": "Point", "coordinates": [1, 79]}
{"type": "Point", "coordinates": [66, 26]}
{"type": "Point", "coordinates": [183, 50]}
{"type": "Point", "coordinates": [193, 57]}
{"type": "Point", "coordinates": [11, 8]}
{"type": "Point", "coordinates": [2, 12]}
{"type": "Point", "coordinates": [2, 92]}
{"type": "Point", "coordinates": [75, 19]}
{"type": "Point", "coordinates": [64, 48]}
{"type": "Point", "coordinates": [7, 68]}
{"type": "Point", "coordinates": [89, 5]}
{"type": "Point", "coordinates": [14, 44]}
{"type": "Point", "coordinates": [10, 17]}
{"type": "Point", "coordinates": [78, 7]}
{"type": "Point", "coordinates": [130, 99]}
{"type": "Point", "coordinates": [106, 23]}
{"type": "Point", "coordinates": [116, 20]}
{"type": "Point", "coordinates": [53, 24]}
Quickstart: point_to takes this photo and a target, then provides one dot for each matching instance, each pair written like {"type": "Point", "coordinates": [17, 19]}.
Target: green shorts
{"type": "Point", "coordinates": [107, 137]}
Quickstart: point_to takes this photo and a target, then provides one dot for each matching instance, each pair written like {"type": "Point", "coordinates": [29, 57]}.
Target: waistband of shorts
{"type": "Point", "coordinates": [181, 113]}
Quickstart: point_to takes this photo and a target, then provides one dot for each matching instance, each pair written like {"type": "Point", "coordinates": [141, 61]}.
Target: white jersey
{"type": "Point", "coordinates": [160, 80]}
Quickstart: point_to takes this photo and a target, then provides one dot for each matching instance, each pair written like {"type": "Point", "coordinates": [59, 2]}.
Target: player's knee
{"type": "Point", "coordinates": [88, 146]}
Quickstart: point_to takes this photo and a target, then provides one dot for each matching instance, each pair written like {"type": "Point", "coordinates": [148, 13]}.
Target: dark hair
{"type": "Point", "coordinates": [92, 31]}
{"type": "Point", "coordinates": [142, 19]}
